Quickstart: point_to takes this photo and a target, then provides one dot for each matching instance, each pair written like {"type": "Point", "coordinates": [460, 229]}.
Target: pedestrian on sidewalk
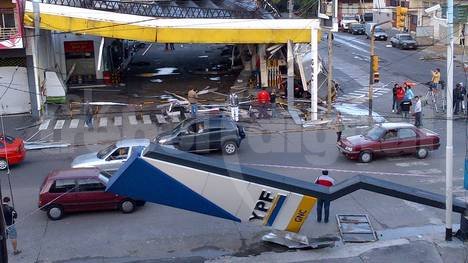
{"type": "Point", "coordinates": [417, 112]}
{"type": "Point", "coordinates": [462, 36]}
{"type": "Point", "coordinates": [172, 46]}
{"type": "Point", "coordinates": [263, 98]}
{"type": "Point", "coordinates": [326, 181]}
{"type": "Point", "coordinates": [193, 99]}
{"type": "Point", "coordinates": [274, 113]}
{"type": "Point", "coordinates": [88, 111]}
{"type": "Point", "coordinates": [234, 105]}
{"type": "Point", "coordinates": [339, 126]}
{"type": "Point", "coordinates": [10, 215]}
{"type": "Point", "coordinates": [406, 104]}
{"type": "Point", "coordinates": [400, 95]}
{"type": "Point", "coordinates": [457, 98]}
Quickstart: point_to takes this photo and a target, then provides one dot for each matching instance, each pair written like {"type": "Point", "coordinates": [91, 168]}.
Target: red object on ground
{"type": "Point", "coordinates": [12, 150]}
{"type": "Point", "coordinates": [325, 180]}
{"type": "Point", "coordinates": [106, 75]}
{"type": "Point", "coordinates": [263, 96]}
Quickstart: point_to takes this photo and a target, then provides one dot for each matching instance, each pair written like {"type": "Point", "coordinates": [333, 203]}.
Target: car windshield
{"type": "Point", "coordinates": [358, 26]}
{"type": "Point", "coordinates": [9, 139]}
{"type": "Point", "coordinates": [378, 29]}
{"type": "Point", "coordinates": [375, 133]}
{"type": "Point", "coordinates": [104, 152]}
{"type": "Point", "coordinates": [349, 18]}
{"type": "Point", "coordinates": [406, 37]}
{"type": "Point", "coordinates": [178, 127]}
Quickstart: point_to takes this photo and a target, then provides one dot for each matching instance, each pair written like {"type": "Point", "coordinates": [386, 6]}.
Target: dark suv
{"type": "Point", "coordinates": [357, 29]}
{"type": "Point", "coordinates": [205, 133]}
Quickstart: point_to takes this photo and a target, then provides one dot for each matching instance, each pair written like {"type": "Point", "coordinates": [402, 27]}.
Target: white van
{"type": "Point", "coordinates": [379, 33]}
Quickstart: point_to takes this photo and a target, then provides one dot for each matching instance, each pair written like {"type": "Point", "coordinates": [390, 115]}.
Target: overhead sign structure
{"type": "Point", "coordinates": [234, 192]}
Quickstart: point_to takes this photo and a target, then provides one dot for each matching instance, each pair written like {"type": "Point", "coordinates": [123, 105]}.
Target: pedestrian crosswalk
{"type": "Point", "coordinates": [362, 95]}
{"type": "Point", "coordinates": [109, 121]}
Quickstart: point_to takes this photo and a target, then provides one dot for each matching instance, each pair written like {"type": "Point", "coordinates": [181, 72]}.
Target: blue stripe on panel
{"type": "Point", "coordinates": [276, 209]}
{"type": "Point", "coordinates": [140, 180]}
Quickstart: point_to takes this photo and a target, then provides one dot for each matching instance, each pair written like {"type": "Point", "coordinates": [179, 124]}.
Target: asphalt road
{"type": "Point", "coordinates": [158, 232]}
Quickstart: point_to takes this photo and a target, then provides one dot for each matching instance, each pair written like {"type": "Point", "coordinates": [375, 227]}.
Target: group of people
{"type": "Point", "coordinates": [265, 100]}
{"type": "Point", "coordinates": [403, 98]}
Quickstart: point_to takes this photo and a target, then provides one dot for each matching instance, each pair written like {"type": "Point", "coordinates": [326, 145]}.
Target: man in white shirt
{"type": "Point", "coordinates": [417, 112]}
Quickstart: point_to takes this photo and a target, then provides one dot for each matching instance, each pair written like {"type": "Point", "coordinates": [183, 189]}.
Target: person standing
{"type": "Point", "coordinates": [462, 35]}
{"type": "Point", "coordinates": [263, 98]}
{"type": "Point", "coordinates": [417, 112]}
{"type": "Point", "coordinates": [339, 126]}
{"type": "Point", "coordinates": [395, 101]}
{"type": "Point", "coordinates": [193, 99]}
{"type": "Point", "coordinates": [326, 181]}
{"type": "Point", "coordinates": [457, 98]}
{"type": "Point", "coordinates": [400, 95]}
{"type": "Point", "coordinates": [274, 113]}
{"type": "Point", "coordinates": [88, 111]}
{"type": "Point", "coordinates": [435, 81]}
{"type": "Point", "coordinates": [10, 215]}
{"type": "Point", "coordinates": [234, 105]}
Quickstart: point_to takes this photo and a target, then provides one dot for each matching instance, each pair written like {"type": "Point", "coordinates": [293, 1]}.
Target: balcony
{"type": "Point", "coordinates": [7, 33]}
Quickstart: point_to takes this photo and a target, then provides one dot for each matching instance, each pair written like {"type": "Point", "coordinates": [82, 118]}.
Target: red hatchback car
{"type": "Point", "coordinates": [390, 139]}
{"type": "Point", "coordinates": [81, 189]}
{"type": "Point", "coordinates": [11, 151]}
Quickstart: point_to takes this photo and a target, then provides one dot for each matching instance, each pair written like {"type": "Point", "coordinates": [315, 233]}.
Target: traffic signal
{"type": "Point", "coordinates": [375, 63]}
{"type": "Point", "coordinates": [401, 13]}
{"type": "Point", "coordinates": [376, 77]}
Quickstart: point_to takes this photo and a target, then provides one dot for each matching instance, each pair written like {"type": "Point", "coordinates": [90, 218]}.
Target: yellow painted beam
{"type": "Point", "coordinates": [109, 24]}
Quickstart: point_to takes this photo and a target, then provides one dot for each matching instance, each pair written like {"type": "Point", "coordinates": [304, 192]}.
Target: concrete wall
{"type": "Point", "coordinates": [16, 97]}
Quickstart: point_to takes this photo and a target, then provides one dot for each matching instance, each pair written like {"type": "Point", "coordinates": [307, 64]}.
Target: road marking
{"type": "Point", "coordinates": [103, 122]}
{"type": "Point", "coordinates": [146, 119]}
{"type": "Point", "coordinates": [132, 119]}
{"type": "Point", "coordinates": [118, 121]}
{"type": "Point", "coordinates": [44, 125]}
{"type": "Point", "coordinates": [175, 119]}
{"type": "Point", "coordinates": [339, 170]}
{"type": "Point", "coordinates": [415, 163]}
{"type": "Point", "coordinates": [160, 118]}
{"type": "Point", "coordinates": [59, 124]}
{"type": "Point", "coordinates": [74, 123]}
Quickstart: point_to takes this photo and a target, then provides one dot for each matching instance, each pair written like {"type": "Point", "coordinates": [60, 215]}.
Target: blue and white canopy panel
{"type": "Point", "coordinates": [212, 187]}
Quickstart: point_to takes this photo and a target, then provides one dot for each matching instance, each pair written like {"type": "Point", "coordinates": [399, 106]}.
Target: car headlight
{"type": "Point", "coordinates": [348, 148]}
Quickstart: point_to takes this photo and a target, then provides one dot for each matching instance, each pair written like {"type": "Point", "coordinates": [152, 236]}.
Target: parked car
{"type": "Point", "coordinates": [111, 157]}
{"type": "Point", "coordinates": [357, 29]}
{"type": "Point", "coordinates": [403, 41]}
{"type": "Point", "coordinates": [346, 20]}
{"type": "Point", "coordinates": [205, 133]}
{"type": "Point", "coordinates": [390, 139]}
{"type": "Point", "coordinates": [11, 151]}
{"type": "Point", "coordinates": [379, 33]}
{"type": "Point", "coordinates": [78, 190]}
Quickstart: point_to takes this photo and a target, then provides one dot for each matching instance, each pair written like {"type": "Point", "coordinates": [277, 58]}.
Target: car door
{"type": "Point", "coordinates": [215, 131]}
{"type": "Point", "coordinates": [116, 158]}
{"type": "Point", "coordinates": [186, 138]}
{"type": "Point", "coordinates": [63, 192]}
{"type": "Point", "coordinates": [407, 140]}
{"type": "Point", "coordinates": [92, 196]}
{"type": "Point", "coordinates": [389, 142]}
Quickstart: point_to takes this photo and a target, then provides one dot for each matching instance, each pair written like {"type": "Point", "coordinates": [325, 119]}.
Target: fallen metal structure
{"type": "Point", "coordinates": [242, 194]}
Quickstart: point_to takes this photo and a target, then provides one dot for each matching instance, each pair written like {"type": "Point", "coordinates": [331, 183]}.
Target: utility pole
{"type": "Point", "coordinates": [330, 71]}
{"type": "Point", "coordinates": [449, 145]}
{"type": "Point", "coordinates": [371, 71]}
{"type": "Point", "coordinates": [290, 8]}
{"type": "Point", "coordinates": [290, 61]}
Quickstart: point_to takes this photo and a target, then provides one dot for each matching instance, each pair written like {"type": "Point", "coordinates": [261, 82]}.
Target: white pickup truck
{"type": "Point", "coordinates": [346, 20]}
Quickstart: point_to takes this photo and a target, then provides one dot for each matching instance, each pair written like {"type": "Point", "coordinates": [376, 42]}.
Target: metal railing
{"type": "Point", "coordinates": [154, 9]}
{"type": "Point", "coordinates": [7, 32]}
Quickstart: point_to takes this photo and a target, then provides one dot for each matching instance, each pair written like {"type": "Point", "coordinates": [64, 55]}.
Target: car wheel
{"type": "Point", "coordinates": [365, 157]}
{"type": "Point", "coordinates": [127, 206]}
{"type": "Point", "coordinates": [55, 212]}
{"type": "Point", "coordinates": [229, 148]}
{"type": "Point", "coordinates": [422, 153]}
{"type": "Point", "coordinates": [3, 164]}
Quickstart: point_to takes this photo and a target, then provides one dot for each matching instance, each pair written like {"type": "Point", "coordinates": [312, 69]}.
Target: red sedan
{"type": "Point", "coordinates": [390, 139]}
{"type": "Point", "coordinates": [11, 151]}
{"type": "Point", "coordinates": [80, 189]}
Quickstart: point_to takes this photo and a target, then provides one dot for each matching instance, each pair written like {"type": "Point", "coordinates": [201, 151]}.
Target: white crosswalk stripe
{"type": "Point", "coordinates": [160, 118]}
{"type": "Point", "coordinates": [103, 122]}
{"type": "Point", "coordinates": [59, 124]}
{"type": "Point", "coordinates": [132, 119]}
{"type": "Point", "coordinates": [146, 119]}
{"type": "Point", "coordinates": [44, 125]}
{"type": "Point", "coordinates": [118, 121]}
{"type": "Point", "coordinates": [74, 123]}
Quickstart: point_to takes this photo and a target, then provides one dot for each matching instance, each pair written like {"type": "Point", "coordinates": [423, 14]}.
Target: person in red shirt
{"type": "Point", "coordinates": [263, 99]}
{"type": "Point", "coordinates": [326, 181]}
